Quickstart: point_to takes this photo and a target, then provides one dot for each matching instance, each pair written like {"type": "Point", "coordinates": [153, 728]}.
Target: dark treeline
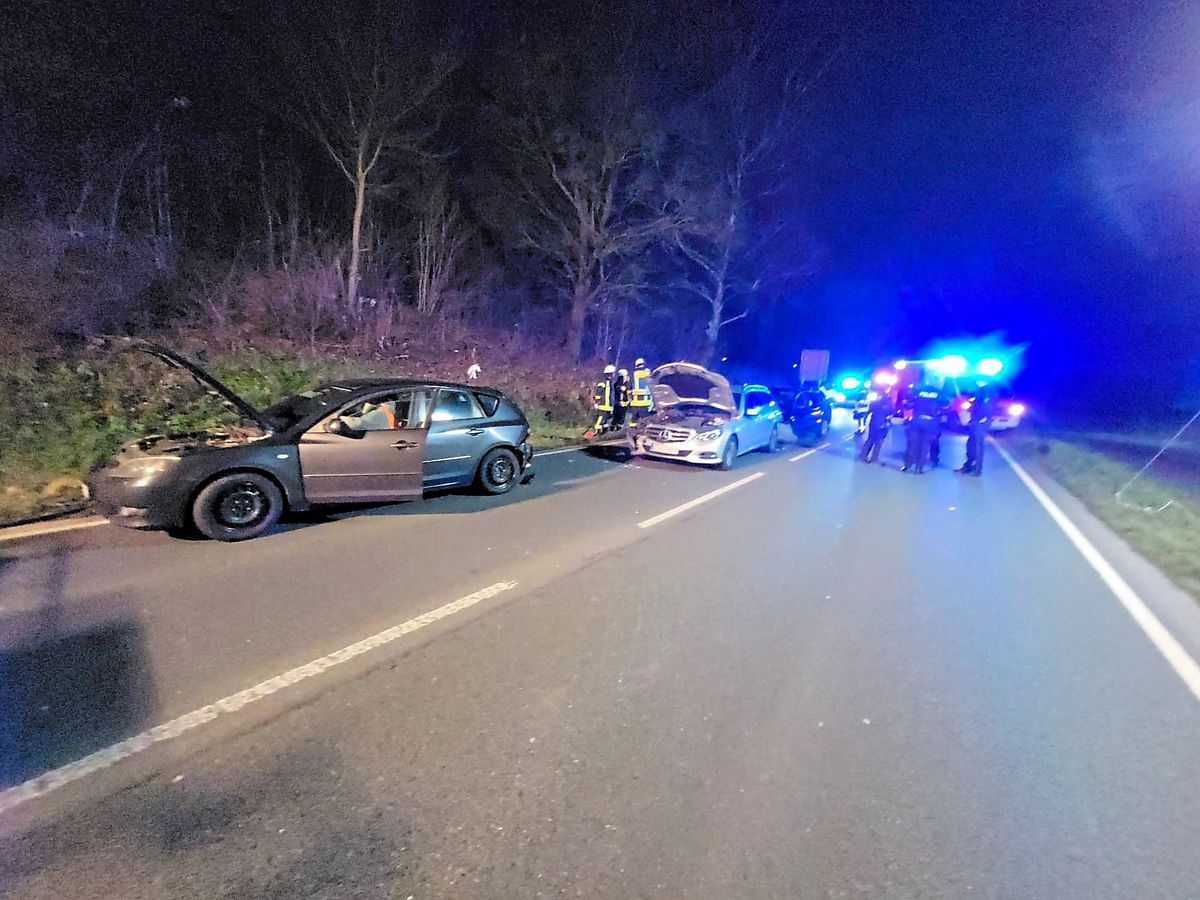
{"type": "Point", "coordinates": [593, 175]}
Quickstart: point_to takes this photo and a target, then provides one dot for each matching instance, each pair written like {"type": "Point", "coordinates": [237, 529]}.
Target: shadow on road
{"type": "Point", "coordinates": [292, 823]}
{"type": "Point", "coordinates": [67, 687]}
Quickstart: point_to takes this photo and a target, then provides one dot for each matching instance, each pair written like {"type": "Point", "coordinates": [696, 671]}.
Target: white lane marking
{"type": "Point", "coordinates": [537, 453]}
{"type": "Point", "coordinates": [808, 453]}
{"type": "Point", "coordinates": [692, 504]}
{"type": "Point", "coordinates": [1166, 644]}
{"type": "Point", "coordinates": [110, 756]}
{"type": "Point", "coordinates": [40, 528]}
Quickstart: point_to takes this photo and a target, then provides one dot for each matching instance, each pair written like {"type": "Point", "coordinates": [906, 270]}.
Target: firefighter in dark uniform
{"type": "Point", "coordinates": [602, 399]}
{"type": "Point", "coordinates": [925, 405]}
{"type": "Point", "coordinates": [977, 432]}
{"type": "Point", "coordinates": [640, 400]}
{"type": "Point", "coordinates": [620, 399]}
{"type": "Point", "coordinates": [879, 415]}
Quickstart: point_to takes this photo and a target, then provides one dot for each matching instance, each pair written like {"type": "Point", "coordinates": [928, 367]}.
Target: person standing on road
{"type": "Point", "coordinates": [943, 420]}
{"type": "Point", "coordinates": [977, 432]}
{"type": "Point", "coordinates": [879, 415]}
{"type": "Point", "coordinates": [924, 405]}
{"type": "Point", "coordinates": [602, 399]}
{"type": "Point", "coordinates": [620, 399]}
{"type": "Point", "coordinates": [640, 400]}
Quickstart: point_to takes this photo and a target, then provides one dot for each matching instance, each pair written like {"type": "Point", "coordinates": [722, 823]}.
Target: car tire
{"type": "Point", "coordinates": [729, 455]}
{"type": "Point", "coordinates": [772, 444]}
{"type": "Point", "coordinates": [237, 507]}
{"type": "Point", "coordinates": [499, 471]}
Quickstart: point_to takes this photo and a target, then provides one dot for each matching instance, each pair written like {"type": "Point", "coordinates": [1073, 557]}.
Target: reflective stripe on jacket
{"type": "Point", "coordinates": [602, 395]}
{"type": "Point", "coordinates": [641, 388]}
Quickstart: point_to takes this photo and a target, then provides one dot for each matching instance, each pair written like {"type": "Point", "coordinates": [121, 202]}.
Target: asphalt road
{"type": "Point", "coordinates": [831, 680]}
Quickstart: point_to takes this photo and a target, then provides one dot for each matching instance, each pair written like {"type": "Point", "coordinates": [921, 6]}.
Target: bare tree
{"type": "Point", "coordinates": [585, 201]}
{"type": "Point", "coordinates": [438, 251]}
{"type": "Point", "coordinates": [367, 101]}
{"type": "Point", "coordinates": [738, 161]}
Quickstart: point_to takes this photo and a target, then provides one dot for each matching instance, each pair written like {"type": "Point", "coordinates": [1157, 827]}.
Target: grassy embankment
{"type": "Point", "coordinates": [1158, 518]}
{"type": "Point", "coordinates": [59, 417]}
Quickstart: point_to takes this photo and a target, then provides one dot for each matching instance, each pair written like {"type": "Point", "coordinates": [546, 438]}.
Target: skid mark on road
{"type": "Point", "coordinates": [1166, 644]}
{"type": "Point", "coordinates": [110, 756]}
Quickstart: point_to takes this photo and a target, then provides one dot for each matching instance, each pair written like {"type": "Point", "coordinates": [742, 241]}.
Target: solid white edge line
{"type": "Point", "coordinates": [1166, 644]}
{"type": "Point", "coordinates": [110, 756]}
{"type": "Point", "coordinates": [537, 453]}
{"type": "Point", "coordinates": [692, 504]}
{"type": "Point", "coordinates": [37, 529]}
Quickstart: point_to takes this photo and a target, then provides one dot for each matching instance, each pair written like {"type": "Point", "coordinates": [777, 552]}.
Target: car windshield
{"type": "Point", "coordinates": [294, 409]}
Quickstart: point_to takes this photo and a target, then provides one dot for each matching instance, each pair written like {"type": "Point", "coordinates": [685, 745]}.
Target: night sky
{"type": "Point", "coordinates": [1016, 167]}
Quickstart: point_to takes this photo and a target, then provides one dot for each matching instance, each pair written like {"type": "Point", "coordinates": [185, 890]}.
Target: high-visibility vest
{"type": "Point", "coordinates": [602, 395]}
{"type": "Point", "coordinates": [641, 388]}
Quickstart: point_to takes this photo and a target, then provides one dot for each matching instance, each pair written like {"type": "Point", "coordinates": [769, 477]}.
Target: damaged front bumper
{"type": "Point", "coordinates": [693, 450]}
{"type": "Point", "coordinates": [526, 454]}
{"type": "Point", "coordinates": [130, 505]}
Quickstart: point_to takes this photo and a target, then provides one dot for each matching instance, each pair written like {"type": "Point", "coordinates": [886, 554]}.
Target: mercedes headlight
{"type": "Point", "coordinates": [711, 435]}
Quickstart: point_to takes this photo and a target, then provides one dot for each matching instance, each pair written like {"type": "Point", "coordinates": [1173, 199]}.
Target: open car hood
{"type": "Point", "coordinates": [684, 382]}
{"type": "Point", "coordinates": [206, 380]}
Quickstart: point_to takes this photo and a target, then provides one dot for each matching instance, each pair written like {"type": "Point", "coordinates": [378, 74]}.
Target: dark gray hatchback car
{"type": "Point", "coordinates": [354, 441]}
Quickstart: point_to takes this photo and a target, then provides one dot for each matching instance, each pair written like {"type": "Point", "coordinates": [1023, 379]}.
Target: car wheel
{"type": "Point", "coordinates": [729, 454]}
{"type": "Point", "coordinates": [499, 471]}
{"type": "Point", "coordinates": [237, 507]}
{"type": "Point", "coordinates": [772, 444]}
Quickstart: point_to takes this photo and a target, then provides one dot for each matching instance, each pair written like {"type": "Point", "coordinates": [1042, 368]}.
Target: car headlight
{"type": "Point", "coordinates": [709, 435]}
{"type": "Point", "coordinates": [143, 471]}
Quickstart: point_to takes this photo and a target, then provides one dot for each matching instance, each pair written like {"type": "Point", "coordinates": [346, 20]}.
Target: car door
{"type": "Point", "coordinates": [759, 420]}
{"type": "Point", "coordinates": [458, 438]}
{"type": "Point", "coordinates": [365, 454]}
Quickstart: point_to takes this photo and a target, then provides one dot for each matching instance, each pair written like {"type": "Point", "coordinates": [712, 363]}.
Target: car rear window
{"type": "Point", "coordinates": [489, 402]}
{"type": "Point", "coordinates": [452, 405]}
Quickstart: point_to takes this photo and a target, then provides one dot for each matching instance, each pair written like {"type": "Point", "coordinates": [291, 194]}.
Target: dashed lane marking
{"type": "Point", "coordinates": [1162, 639]}
{"type": "Point", "coordinates": [110, 756]}
{"type": "Point", "coordinates": [808, 453]}
{"type": "Point", "coordinates": [692, 504]}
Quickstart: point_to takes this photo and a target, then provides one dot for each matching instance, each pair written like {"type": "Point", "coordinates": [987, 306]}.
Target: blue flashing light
{"type": "Point", "coordinates": [849, 383]}
{"type": "Point", "coordinates": [991, 366]}
{"type": "Point", "coordinates": [952, 366]}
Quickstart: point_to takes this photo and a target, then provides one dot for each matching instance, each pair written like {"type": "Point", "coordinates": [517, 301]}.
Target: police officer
{"type": "Point", "coordinates": [879, 415]}
{"type": "Point", "coordinates": [640, 400]}
{"type": "Point", "coordinates": [621, 398]}
{"type": "Point", "coordinates": [935, 445]}
{"type": "Point", "coordinates": [977, 432]}
{"type": "Point", "coordinates": [924, 404]}
{"type": "Point", "coordinates": [602, 399]}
